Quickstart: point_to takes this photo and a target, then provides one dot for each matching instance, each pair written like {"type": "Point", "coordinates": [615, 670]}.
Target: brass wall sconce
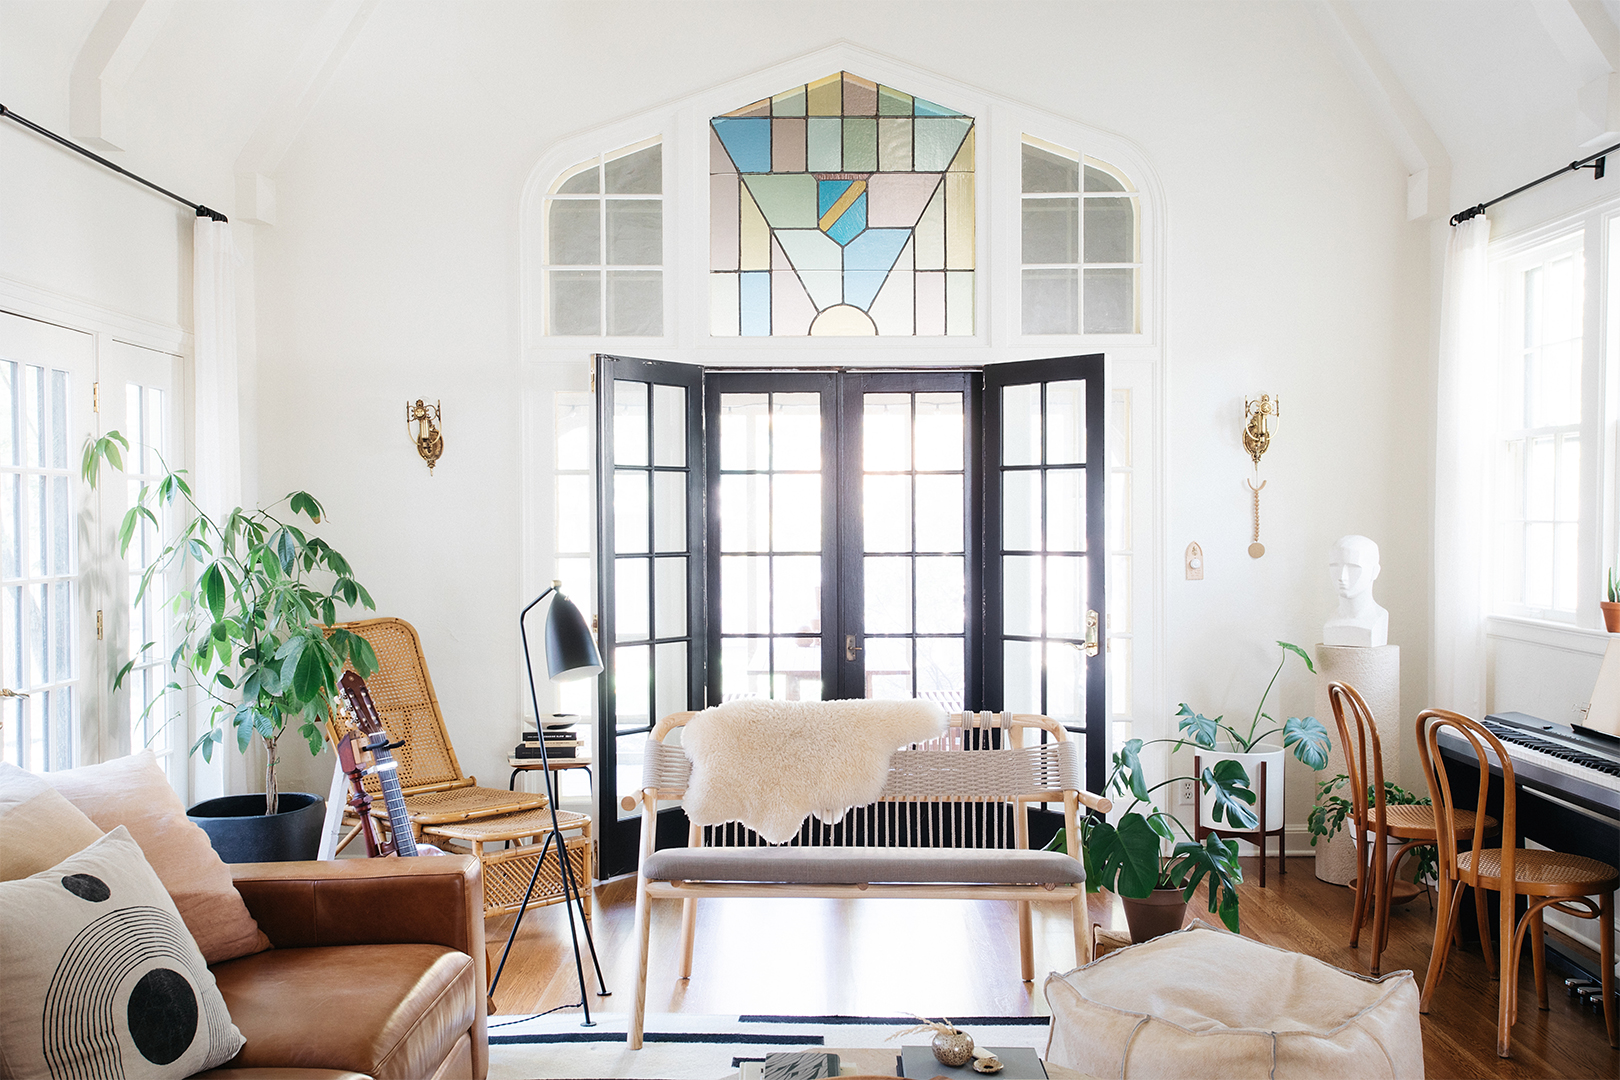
{"type": "Point", "coordinates": [1256, 427]}
{"type": "Point", "coordinates": [429, 440]}
{"type": "Point", "coordinates": [1256, 441]}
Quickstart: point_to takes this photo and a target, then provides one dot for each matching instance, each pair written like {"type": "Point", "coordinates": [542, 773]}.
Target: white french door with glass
{"type": "Point", "coordinates": [67, 614]}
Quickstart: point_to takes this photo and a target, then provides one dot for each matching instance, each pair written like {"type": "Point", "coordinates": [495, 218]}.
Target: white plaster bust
{"type": "Point", "coordinates": [1359, 621]}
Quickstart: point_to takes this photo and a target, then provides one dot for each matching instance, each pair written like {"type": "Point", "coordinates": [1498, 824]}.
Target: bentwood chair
{"type": "Point", "coordinates": [1377, 822]}
{"type": "Point", "coordinates": [1545, 879]}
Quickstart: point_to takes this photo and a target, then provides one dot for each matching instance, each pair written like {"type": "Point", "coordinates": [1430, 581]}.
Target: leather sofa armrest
{"type": "Point", "coordinates": [437, 900]}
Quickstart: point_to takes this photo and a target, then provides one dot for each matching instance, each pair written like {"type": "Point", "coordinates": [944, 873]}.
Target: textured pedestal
{"type": "Point", "coordinates": [1376, 675]}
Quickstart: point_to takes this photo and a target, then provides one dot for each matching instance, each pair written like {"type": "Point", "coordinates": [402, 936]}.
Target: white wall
{"type": "Point", "coordinates": [392, 274]}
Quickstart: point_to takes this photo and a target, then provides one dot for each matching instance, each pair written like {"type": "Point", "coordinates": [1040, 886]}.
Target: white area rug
{"type": "Point", "coordinates": [694, 1047]}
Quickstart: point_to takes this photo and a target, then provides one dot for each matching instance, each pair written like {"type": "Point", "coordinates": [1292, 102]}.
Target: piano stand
{"type": "Point", "coordinates": [1257, 836]}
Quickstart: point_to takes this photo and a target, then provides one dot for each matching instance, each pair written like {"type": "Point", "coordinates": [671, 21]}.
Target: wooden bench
{"type": "Point", "coordinates": [951, 824]}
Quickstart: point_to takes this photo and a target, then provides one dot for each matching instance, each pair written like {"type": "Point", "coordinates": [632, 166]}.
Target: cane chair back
{"type": "Point", "coordinates": [430, 777]}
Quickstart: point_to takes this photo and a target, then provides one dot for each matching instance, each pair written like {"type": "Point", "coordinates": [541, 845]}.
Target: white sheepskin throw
{"type": "Point", "coordinates": [769, 763]}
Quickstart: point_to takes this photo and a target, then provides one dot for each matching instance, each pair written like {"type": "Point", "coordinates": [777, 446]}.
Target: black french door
{"type": "Point", "coordinates": [845, 534]}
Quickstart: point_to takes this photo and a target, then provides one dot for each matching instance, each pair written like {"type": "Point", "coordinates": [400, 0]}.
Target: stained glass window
{"type": "Point", "coordinates": [604, 246]}
{"type": "Point", "coordinates": [1081, 244]}
{"type": "Point", "coordinates": [841, 207]}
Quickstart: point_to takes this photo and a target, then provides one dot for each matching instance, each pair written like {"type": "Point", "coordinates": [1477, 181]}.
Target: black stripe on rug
{"type": "Point", "coordinates": [904, 1021]}
{"type": "Point", "coordinates": [665, 1037]}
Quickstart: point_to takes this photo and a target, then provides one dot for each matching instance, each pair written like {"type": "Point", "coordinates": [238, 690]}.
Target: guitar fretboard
{"type": "Point", "coordinates": [399, 821]}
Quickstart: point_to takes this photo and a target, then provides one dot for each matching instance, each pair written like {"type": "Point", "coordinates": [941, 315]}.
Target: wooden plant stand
{"type": "Point", "coordinates": [1254, 836]}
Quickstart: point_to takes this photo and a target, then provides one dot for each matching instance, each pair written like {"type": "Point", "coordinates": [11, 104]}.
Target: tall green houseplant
{"type": "Point", "coordinates": [255, 606]}
{"type": "Point", "coordinates": [1306, 735]}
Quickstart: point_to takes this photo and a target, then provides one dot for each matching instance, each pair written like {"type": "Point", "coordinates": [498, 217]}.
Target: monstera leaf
{"type": "Point", "coordinates": [1128, 775]}
{"type": "Point", "coordinates": [1197, 728]}
{"type": "Point", "coordinates": [1128, 856]}
{"type": "Point", "coordinates": [1217, 859]}
{"type": "Point", "coordinates": [1228, 783]}
{"type": "Point", "coordinates": [1309, 739]}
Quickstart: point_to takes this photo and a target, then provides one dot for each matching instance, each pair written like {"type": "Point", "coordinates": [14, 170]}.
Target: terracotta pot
{"type": "Point", "coordinates": [1159, 913]}
{"type": "Point", "coordinates": [1611, 615]}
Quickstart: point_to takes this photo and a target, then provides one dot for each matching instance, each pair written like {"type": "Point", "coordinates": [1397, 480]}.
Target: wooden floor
{"type": "Point", "coordinates": [950, 958]}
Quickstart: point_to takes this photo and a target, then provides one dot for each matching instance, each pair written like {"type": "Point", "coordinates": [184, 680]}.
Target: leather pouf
{"type": "Point", "coordinates": [1207, 1003]}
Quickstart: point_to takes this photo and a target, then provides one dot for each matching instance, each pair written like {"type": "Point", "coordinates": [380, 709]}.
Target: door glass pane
{"type": "Point", "coordinates": [1065, 681]}
{"type": "Point", "coordinates": [939, 512]}
{"type": "Point", "coordinates": [887, 519]}
{"type": "Point", "coordinates": [940, 671]}
{"type": "Point", "coordinates": [796, 512]}
{"type": "Point", "coordinates": [745, 432]}
{"type": "Point", "coordinates": [1021, 676]}
{"type": "Point", "coordinates": [630, 510]}
{"type": "Point", "coordinates": [939, 431]}
{"type": "Point", "coordinates": [630, 599]}
{"type": "Point", "coordinates": [796, 431]}
{"type": "Point", "coordinates": [669, 604]}
{"type": "Point", "coordinates": [631, 752]}
{"type": "Point", "coordinates": [633, 689]}
{"type": "Point", "coordinates": [745, 594]}
{"type": "Point", "coordinates": [1021, 595]}
{"type": "Point", "coordinates": [744, 510]}
{"type": "Point", "coordinates": [669, 425]}
{"type": "Point", "coordinates": [888, 667]}
{"type": "Point", "coordinates": [940, 595]}
{"type": "Point", "coordinates": [1066, 423]}
{"type": "Point", "coordinates": [886, 437]}
{"type": "Point", "coordinates": [1021, 510]}
{"type": "Point", "coordinates": [745, 668]}
{"type": "Point", "coordinates": [796, 594]}
{"type": "Point", "coordinates": [797, 669]}
{"type": "Point", "coordinates": [670, 694]}
{"type": "Point", "coordinates": [1021, 425]}
{"type": "Point", "coordinates": [1065, 596]}
{"type": "Point", "coordinates": [888, 594]}
{"type": "Point", "coordinates": [669, 511]}
{"type": "Point", "coordinates": [1065, 510]}
{"type": "Point", "coordinates": [629, 423]}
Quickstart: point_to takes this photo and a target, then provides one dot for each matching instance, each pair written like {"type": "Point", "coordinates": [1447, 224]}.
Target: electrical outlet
{"type": "Point", "coordinates": [1184, 792]}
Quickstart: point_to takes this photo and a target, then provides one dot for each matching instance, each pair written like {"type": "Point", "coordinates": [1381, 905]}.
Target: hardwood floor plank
{"type": "Point", "coordinates": [960, 958]}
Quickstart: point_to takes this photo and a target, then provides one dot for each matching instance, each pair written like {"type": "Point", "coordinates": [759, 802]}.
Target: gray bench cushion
{"type": "Point", "coordinates": [860, 866]}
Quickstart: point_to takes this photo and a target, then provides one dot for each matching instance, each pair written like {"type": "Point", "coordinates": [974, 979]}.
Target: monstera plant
{"type": "Point", "coordinates": [1306, 735]}
{"type": "Point", "coordinates": [257, 597]}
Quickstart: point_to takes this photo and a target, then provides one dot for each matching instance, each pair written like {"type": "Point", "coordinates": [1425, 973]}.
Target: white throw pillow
{"type": "Point", "coordinates": [101, 976]}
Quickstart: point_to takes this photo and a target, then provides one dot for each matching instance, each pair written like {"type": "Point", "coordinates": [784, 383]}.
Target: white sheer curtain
{"type": "Point", "coordinates": [1463, 423]}
{"type": "Point", "coordinates": [217, 462]}
{"type": "Point", "coordinates": [218, 465]}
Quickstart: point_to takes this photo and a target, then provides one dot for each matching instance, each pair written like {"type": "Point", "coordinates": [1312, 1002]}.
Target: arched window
{"type": "Point", "coordinates": [604, 246]}
{"type": "Point", "coordinates": [1082, 256]}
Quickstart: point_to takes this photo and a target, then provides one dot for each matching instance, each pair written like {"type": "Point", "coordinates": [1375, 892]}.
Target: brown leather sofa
{"type": "Point", "coordinates": [377, 971]}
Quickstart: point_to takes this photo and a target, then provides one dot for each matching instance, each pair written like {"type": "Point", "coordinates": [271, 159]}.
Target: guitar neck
{"type": "Point", "coordinates": [399, 822]}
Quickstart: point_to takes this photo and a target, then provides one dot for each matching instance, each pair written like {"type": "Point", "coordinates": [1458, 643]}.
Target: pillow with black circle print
{"type": "Point", "coordinates": [101, 978]}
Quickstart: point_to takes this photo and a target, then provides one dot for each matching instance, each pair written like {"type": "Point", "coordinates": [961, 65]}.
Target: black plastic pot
{"type": "Point", "coordinates": [241, 831]}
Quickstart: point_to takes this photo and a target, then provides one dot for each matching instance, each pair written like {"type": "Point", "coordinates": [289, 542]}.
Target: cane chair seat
{"type": "Point", "coordinates": [1417, 822]}
{"type": "Point", "coordinates": [1541, 873]}
{"type": "Point", "coordinates": [507, 869]}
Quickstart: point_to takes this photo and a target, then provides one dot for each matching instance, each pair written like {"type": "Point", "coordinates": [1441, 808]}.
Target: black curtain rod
{"type": "Point", "coordinates": [202, 211]}
{"type": "Point", "coordinates": [1595, 163]}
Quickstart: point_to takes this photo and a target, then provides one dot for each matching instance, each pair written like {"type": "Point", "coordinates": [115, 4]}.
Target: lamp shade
{"type": "Point", "coordinates": [570, 650]}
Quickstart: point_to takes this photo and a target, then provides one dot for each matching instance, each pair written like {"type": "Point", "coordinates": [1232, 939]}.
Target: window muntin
{"type": "Point", "coordinates": [1081, 257]}
{"type": "Point", "coordinates": [1539, 432]}
{"type": "Point", "coordinates": [603, 247]}
{"type": "Point", "coordinates": [842, 207]}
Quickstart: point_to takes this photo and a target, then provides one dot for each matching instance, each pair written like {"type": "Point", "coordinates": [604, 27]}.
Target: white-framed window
{"type": "Point", "coordinates": [1553, 475]}
{"type": "Point", "coordinates": [604, 246]}
{"type": "Point", "coordinates": [1081, 247]}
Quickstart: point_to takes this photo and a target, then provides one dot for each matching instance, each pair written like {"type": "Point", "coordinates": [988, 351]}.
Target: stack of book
{"type": "Point", "coordinates": [561, 741]}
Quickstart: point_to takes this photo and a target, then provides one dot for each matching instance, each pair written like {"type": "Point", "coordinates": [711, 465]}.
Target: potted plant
{"type": "Point", "coordinates": [1332, 810]}
{"type": "Point", "coordinates": [1611, 606]}
{"type": "Point", "coordinates": [256, 599]}
{"type": "Point", "coordinates": [1305, 735]}
{"type": "Point", "coordinates": [1140, 859]}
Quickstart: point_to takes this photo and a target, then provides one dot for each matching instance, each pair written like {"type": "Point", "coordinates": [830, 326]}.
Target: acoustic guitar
{"type": "Point", "coordinates": [366, 721]}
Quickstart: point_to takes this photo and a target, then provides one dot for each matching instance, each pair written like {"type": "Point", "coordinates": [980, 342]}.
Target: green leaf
{"type": "Point", "coordinates": [1228, 783]}
{"type": "Point", "coordinates": [1131, 865]}
{"type": "Point", "coordinates": [302, 502]}
{"type": "Point", "coordinates": [363, 658]}
{"type": "Point", "coordinates": [213, 586]}
{"type": "Point", "coordinates": [1199, 729]}
{"type": "Point", "coordinates": [307, 681]}
{"type": "Point", "coordinates": [1309, 739]}
{"type": "Point", "coordinates": [1128, 766]}
{"type": "Point", "coordinates": [123, 673]}
{"type": "Point", "coordinates": [1301, 653]}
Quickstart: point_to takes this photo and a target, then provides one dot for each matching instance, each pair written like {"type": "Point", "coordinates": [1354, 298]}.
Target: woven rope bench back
{"type": "Point", "coordinates": [975, 762]}
{"type": "Point", "coordinates": [402, 690]}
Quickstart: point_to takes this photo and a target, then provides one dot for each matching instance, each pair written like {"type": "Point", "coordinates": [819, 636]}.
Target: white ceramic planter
{"type": "Point", "coordinates": [1273, 757]}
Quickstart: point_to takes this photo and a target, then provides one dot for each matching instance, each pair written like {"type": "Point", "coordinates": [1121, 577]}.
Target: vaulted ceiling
{"type": "Point", "coordinates": [1487, 93]}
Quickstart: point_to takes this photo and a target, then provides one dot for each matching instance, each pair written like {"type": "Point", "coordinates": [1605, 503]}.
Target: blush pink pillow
{"type": "Point", "coordinates": [133, 792]}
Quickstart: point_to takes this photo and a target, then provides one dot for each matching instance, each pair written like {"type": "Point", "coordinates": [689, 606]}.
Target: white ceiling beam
{"type": "Point", "coordinates": [1589, 41]}
{"type": "Point", "coordinates": [115, 48]}
{"type": "Point", "coordinates": [1428, 166]}
{"type": "Point", "coordinates": [290, 106]}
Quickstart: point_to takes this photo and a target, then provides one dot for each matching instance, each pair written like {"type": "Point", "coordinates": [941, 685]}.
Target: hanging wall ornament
{"type": "Point", "coordinates": [1257, 440]}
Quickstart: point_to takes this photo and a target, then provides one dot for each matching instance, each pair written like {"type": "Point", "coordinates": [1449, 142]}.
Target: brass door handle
{"type": "Point", "coordinates": [850, 648]}
{"type": "Point", "coordinates": [6, 692]}
{"type": "Point", "coordinates": [1091, 633]}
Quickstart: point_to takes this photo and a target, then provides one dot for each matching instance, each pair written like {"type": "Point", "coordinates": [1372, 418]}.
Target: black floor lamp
{"type": "Point", "coordinates": [570, 654]}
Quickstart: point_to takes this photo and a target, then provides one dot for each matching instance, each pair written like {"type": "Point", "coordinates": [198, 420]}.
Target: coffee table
{"type": "Point", "coordinates": [869, 1061]}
